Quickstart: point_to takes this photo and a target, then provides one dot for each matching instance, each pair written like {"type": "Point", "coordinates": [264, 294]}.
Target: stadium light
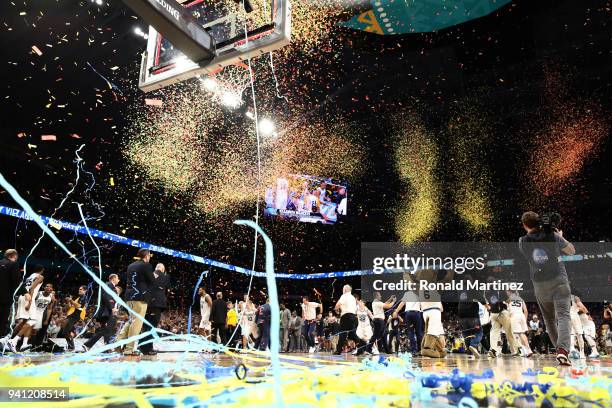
{"type": "Point", "coordinates": [181, 62]}
{"type": "Point", "coordinates": [138, 31]}
{"type": "Point", "coordinates": [266, 127]}
{"type": "Point", "coordinates": [209, 84]}
{"type": "Point", "coordinates": [230, 99]}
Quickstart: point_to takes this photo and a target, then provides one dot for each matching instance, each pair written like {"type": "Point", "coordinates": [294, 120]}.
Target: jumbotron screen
{"type": "Point", "coordinates": [306, 199]}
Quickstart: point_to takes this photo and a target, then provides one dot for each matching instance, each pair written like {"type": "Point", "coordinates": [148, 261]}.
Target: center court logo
{"type": "Point", "coordinates": [173, 12]}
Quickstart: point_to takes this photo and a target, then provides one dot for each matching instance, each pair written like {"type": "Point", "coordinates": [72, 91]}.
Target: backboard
{"type": "Point", "coordinates": [238, 35]}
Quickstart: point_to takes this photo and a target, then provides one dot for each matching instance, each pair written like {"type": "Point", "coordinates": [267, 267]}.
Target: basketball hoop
{"type": "Point", "coordinates": [238, 35]}
{"type": "Point", "coordinates": [227, 84]}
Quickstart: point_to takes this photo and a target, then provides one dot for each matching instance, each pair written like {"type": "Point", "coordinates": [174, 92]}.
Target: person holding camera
{"type": "Point", "coordinates": [536, 335]}
{"type": "Point", "coordinates": [542, 246]}
{"type": "Point", "coordinates": [607, 313]}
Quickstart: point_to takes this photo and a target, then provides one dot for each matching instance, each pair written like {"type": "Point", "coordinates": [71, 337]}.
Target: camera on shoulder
{"type": "Point", "coordinates": [550, 221]}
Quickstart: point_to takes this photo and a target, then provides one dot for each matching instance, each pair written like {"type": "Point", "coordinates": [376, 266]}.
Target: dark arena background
{"type": "Point", "coordinates": [378, 121]}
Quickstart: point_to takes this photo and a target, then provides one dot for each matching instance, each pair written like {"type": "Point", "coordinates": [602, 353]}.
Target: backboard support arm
{"type": "Point", "coordinates": [176, 24]}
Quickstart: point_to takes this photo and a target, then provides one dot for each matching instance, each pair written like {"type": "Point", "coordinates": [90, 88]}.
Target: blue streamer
{"type": "Point", "coordinates": [195, 292]}
{"type": "Point", "coordinates": [79, 206]}
{"type": "Point", "coordinates": [13, 212]}
{"type": "Point", "coordinates": [111, 86]}
{"type": "Point", "coordinates": [25, 263]}
{"type": "Point", "coordinates": [275, 309]}
{"type": "Point", "coordinates": [40, 222]}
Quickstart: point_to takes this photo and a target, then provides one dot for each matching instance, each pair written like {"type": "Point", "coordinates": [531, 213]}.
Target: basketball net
{"type": "Point", "coordinates": [227, 85]}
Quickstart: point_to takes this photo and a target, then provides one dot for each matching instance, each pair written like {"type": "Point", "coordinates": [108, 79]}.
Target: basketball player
{"type": "Point", "coordinates": [248, 324]}
{"type": "Point", "coordinates": [518, 321]}
{"type": "Point", "coordinates": [323, 193]}
{"type": "Point", "coordinates": [590, 334]}
{"type": "Point", "coordinates": [280, 198]}
{"type": "Point", "coordinates": [31, 286]}
{"type": "Point", "coordinates": [29, 290]}
{"type": "Point", "coordinates": [485, 321]}
{"type": "Point", "coordinates": [313, 203]}
{"type": "Point", "coordinates": [36, 319]}
{"type": "Point", "coordinates": [347, 307]}
{"type": "Point", "coordinates": [269, 197]}
{"type": "Point", "coordinates": [577, 307]}
{"type": "Point", "coordinates": [309, 316]}
{"type": "Point", "coordinates": [413, 316]}
{"type": "Point", "coordinates": [500, 319]}
{"type": "Point", "coordinates": [364, 327]}
{"type": "Point", "coordinates": [392, 334]}
{"type": "Point", "coordinates": [205, 305]}
{"type": "Point", "coordinates": [434, 342]}
{"type": "Point", "coordinates": [378, 313]}
{"type": "Point", "coordinates": [303, 198]}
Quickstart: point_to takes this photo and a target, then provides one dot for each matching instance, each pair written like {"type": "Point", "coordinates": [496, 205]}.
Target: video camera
{"type": "Point", "coordinates": [550, 221]}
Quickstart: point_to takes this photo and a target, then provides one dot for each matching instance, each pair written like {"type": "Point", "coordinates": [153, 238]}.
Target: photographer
{"type": "Point", "coordinates": [542, 246]}
{"type": "Point", "coordinates": [536, 335]}
{"type": "Point", "coordinates": [607, 313]}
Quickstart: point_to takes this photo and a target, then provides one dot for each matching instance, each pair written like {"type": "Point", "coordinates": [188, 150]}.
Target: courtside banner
{"type": "Point", "coordinates": [460, 271]}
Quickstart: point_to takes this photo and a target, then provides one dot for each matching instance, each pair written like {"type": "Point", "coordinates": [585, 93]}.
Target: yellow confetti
{"type": "Point", "coordinates": [416, 161]}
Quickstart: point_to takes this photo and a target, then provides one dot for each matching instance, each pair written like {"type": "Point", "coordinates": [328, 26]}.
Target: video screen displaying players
{"type": "Point", "coordinates": [306, 199]}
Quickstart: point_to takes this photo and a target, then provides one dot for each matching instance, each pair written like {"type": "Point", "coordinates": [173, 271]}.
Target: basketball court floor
{"type": "Point", "coordinates": [319, 379]}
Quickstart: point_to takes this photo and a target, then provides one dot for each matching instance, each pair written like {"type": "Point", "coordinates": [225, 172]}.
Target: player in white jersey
{"type": "Point", "coordinates": [577, 330]}
{"type": "Point", "coordinates": [414, 318]}
{"type": "Point", "coordinates": [434, 342]}
{"type": "Point", "coordinates": [36, 319]}
{"type": "Point", "coordinates": [282, 193]}
{"type": "Point", "coordinates": [29, 290]}
{"type": "Point", "coordinates": [483, 314]}
{"type": "Point", "coordinates": [31, 286]}
{"type": "Point", "coordinates": [248, 322]}
{"type": "Point", "coordinates": [205, 306]}
{"type": "Point", "coordinates": [518, 320]}
{"type": "Point", "coordinates": [309, 317]}
{"type": "Point", "coordinates": [378, 313]}
{"type": "Point", "coordinates": [364, 327]}
{"type": "Point", "coordinates": [590, 333]}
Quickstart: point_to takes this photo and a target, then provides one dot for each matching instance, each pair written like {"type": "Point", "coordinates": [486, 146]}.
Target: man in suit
{"type": "Point", "coordinates": [11, 278]}
{"type": "Point", "coordinates": [264, 318]}
{"type": "Point", "coordinates": [157, 304]}
{"type": "Point", "coordinates": [295, 333]}
{"type": "Point", "coordinates": [139, 281]}
{"type": "Point", "coordinates": [218, 318]}
{"type": "Point", "coordinates": [285, 320]}
{"type": "Point", "coordinates": [105, 316]}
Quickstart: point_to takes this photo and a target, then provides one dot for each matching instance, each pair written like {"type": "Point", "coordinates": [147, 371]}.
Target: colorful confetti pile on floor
{"type": "Point", "coordinates": [237, 380]}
